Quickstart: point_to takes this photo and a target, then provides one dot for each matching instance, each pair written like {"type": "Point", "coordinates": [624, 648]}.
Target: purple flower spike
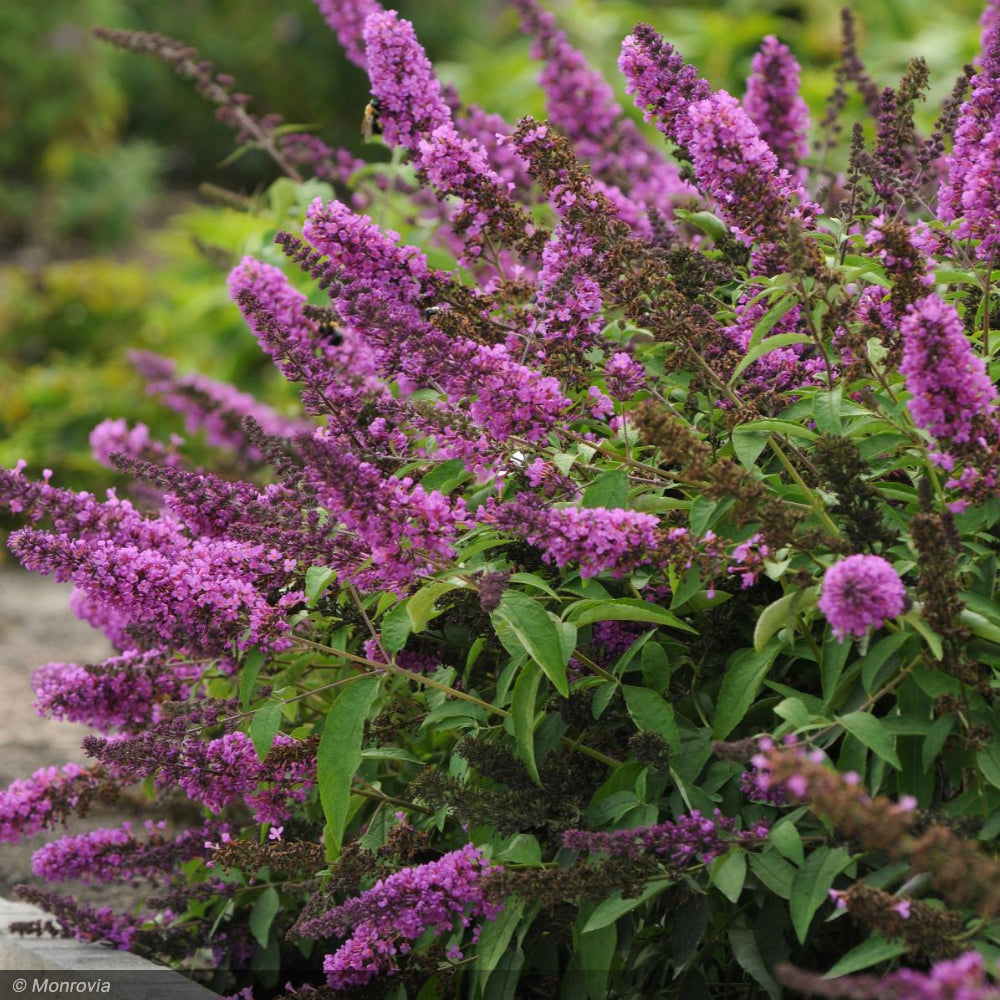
{"type": "Point", "coordinates": [601, 540]}
{"type": "Point", "coordinates": [970, 191]}
{"type": "Point", "coordinates": [399, 909]}
{"type": "Point", "coordinates": [738, 170]}
{"type": "Point", "coordinates": [948, 380]}
{"type": "Point", "coordinates": [582, 106]}
{"type": "Point", "coordinates": [773, 102]}
{"type": "Point", "coordinates": [859, 593]}
{"type": "Point", "coordinates": [411, 96]}
{"type": "Point", "coordinates": [663, 84]}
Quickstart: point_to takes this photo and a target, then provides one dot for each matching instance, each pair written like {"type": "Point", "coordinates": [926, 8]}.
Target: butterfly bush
{"type": "Point", "coordinates": [616, 607]}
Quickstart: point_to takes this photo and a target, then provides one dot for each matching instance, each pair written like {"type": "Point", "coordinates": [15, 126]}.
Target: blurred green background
{"type": "Point", "coordinates": [101, 154]}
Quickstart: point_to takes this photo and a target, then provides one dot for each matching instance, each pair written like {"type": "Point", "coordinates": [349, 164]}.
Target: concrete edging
{"type": "Point", "coordinates": [41, 966]}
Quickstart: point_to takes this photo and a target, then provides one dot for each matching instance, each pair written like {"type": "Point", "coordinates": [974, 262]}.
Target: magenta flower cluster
{"type": "Point", "coordinates": [947, 379]}
{"type": "Point", "coordinates": [690, 839]}
{"type": "Point", "coordinates": [861, 593]}
{"type": "Point", "coordinates": [108, 856]}
{"type": "Point", "coordinates": [382, 923]}
{"type": "Point", "coordinates": [775, 106]}
{"type": "Point", "coordinates": [599, 539]}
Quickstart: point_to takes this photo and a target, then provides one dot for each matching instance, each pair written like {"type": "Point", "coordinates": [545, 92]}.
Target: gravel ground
{"type": "Point", "coordinates": [36, 627]}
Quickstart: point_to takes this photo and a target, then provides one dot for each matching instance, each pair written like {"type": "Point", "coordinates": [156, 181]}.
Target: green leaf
{"type": "Point", "coordinates": [786, 838]}
{"type": "Point", "coordinates": [863, 956]}
{"type": "Point", "coordinates": [494, 939]}
{"type": "Point", "coordinates": [395, 627]}
{"type": "Point", "coordinates": [745, 672]}
{"type": "Point", "coordinates": [705, 221]}
{"type": "Point", "coordinates": [870, 731]}
{"type": "Point", "coordinates": [934, 740]}
{"type": "Point", "coordinates": [537, 633]}
{"type": "Point", "coordinates": [522, 711]}
{"type": "Point", "coordinates": [614, 907]}
{"type": "Point", "coordinates": [786, 427]}
{"type": "Point", "coordinates": [248, 677]}
{"type": "Point", "coordinates": [531, 580]}
{"type": "Point", "coordinates": [746, 951]}
{"type": "Point", "coordinates": [318, 578]}
{"type": "Point", "coordinates": [594, 954]}
{"type": "Point", "coordinates": [877, 655]}
{"type": "Point", "coordinates": [650, 712]}
{"type": "Point", "coordinates": [748, 445]}
{"type": "Point", "coordinates": [262, 914]}
{"type": "Point", "coordinates": [766, 323]}
{"type": "Point", "coordinates": [420, 607]}
{"type": "Point", "coordinates": [446, 476]}
{"type": "Point", "coordinates": [390, 753]}
{"type": "Point", "coordinates": [656, 669]}
{"type": "Point", "coordinates": [988, 760]}
{"type": "Point", "coordinates": [811, 886]}
{"type": "Point", "coordinates": [835, 653]}
{"type": "Point", "coordinates": [933, 640]}
{"type": "Point", "coordinates": [339, 756]}
{"type": "Point", "coordinates": [776, 873]}
{"type": "Point", "coordinates": [826, 410]}
{"type": "Point", "coordinates": [782, 612]}
{"type": "Point", "coordinates": [979, 625]}
{"type": "Point", "coordinates": [765, 347]}
{"type": "Point", "coordinates": [523, 849]}
{"type": "Point", "coordinates": [729, 872]}
{"type": "Point", "coordinates": [609, 489]}
{"type": "Point", "coordinates": [626, 609]}
{"type": "Point", "coordinates": [264, 726]}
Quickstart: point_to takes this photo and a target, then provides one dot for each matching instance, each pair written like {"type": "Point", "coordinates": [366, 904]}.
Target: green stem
{"type": "Point", "coordinates": [424, 681]}
{"type": "Point", "coordinates": [817, 505]}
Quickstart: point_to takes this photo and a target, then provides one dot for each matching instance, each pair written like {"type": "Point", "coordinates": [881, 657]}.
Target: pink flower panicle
{"type": "Point", "coordinates": [947, 379]}
{"type": "Point", "coordinates": [198, 599]}
{"type": "Point", "coordinates": [971, 189]}
{"type": "Point", "coordinates": [214, 407]}
{"type": "Point", "coordinates": [599, 539]}
{"type": "Point", "coordinates": [381, 923]}
{"type": "Point", "coordinates": [624, 376]}
{"type": "Point", "coordinates": [582, 106]}
{"type": "Point", "coordinates": [107, 856]}
{"type": "Point", "coordinates": [124, 692]}
{"type": "Point", "coordinates": [382, 288]}
{"type": "Point", "coordinates": [31, 805]}
{"type": "Point", "coordinates": [775, 106]}
{"type": "Point", "coordinates": [414, 114]}
{"type": "Point", "coordinates": [346, 19]}
{"type": "Point", "coordinates": [859, 593]}
{"type": "Point", "coordinates": [116, 436]}
{"type": "Point", "coordinates": [690, 839]}
{"type": "Point", "coordinates": [663, 85]}
{"type": "Point", "coordinates": [736, 168]}
{"type": "Point", "coordinates": [962, 978]}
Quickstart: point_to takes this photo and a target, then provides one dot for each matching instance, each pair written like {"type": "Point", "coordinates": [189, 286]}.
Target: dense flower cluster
{"type": "Point", "coordinates": [105, 856]}
{"type": "Point", "coordinates": [963, 978]}
{"type": "Point", "coordinates": [690, 839]}
{"type": "Point", "coordinates": [859, 593]}
{"type": "Point", "coordinates": [600, 540]}
{"type": "Point", "coordinates": [969, 191]}
{"type": "Point", "coordinates": [382, 922]}
{"type": "Point", "coordinates": [948, 380]}
{"type": "Point", "coordinates": [775, 106]}
{"type": "Point", "coordinates": [123, 692]}
{"type": "Point", "coordinates": [30, 805]}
